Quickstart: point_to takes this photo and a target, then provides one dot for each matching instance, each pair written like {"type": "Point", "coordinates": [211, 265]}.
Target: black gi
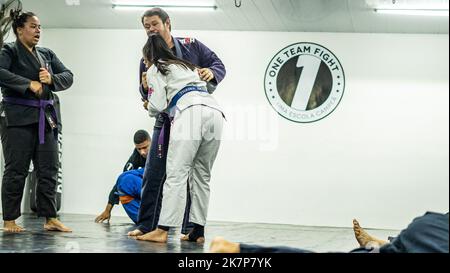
{"type": "Point", "coordinates": [19, 127]}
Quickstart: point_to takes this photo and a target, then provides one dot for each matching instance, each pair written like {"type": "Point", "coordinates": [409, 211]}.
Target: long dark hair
{"type": "Point", "coordinates": [20, 19]}
{"type": "Point", "coordinates": [158, 52]}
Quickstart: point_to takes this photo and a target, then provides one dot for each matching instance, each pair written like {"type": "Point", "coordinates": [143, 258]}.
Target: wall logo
{"type": "Point", "coordinates": [304, 82]}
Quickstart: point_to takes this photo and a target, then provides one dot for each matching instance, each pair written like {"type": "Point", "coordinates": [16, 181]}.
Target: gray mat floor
{"type": "Point", "coordinates": [91, 237]}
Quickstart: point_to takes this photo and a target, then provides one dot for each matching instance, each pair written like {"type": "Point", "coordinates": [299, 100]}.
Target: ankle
{"type": "Point", "coordinates": [197, 232]}
{"type": "Point", "coordinates": [9, 223]}
{"type": "Point", "coordinates": [199, 229]}
{"type": "Point", "coordinates": [51, 220]}
{"type": "Point", "coordinates": [165, 228]}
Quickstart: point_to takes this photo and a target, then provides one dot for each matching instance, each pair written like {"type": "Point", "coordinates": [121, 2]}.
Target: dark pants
{"type": "Point", "coordinates": [20, 146]}
{"type": "Point", "coordinates": [246, 248]}
{"type": "Point", "coordinates": [426, 234]}
{"type": "Point", "coordinates": [152, 187]}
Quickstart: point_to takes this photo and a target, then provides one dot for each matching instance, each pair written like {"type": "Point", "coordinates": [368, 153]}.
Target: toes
{"type": "Point", "coordinates": [135, 233]}
{"type": "Point", "coordinates": [199, 240]}
{"type": "Point", "coordinates": [356, 224]}
{"type": "Point", "coordinates": [57, 228]}
{"type": "Point", "coordinates": [14, 229]}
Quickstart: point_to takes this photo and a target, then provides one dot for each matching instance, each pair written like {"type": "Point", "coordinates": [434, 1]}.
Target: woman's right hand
{"type": "Point", "coordinates": [36, 87]}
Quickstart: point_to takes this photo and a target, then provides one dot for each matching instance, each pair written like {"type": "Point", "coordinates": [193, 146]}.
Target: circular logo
{"type": "Point", "coordinates": [304, 82]}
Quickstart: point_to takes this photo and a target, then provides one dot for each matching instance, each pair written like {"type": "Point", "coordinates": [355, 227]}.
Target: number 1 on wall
{"type": "Point", "coordinates": [306, 81]}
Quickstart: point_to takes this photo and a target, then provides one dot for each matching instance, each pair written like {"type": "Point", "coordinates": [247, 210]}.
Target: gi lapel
{"type": "Point", "coordinates": [27, 56]}
{"type": "Point", "coordinates": [37, 61]}
{"type": "Point", "coordinates": [44, 64]}
{"type": "Point", "coordinates": [177, 45]}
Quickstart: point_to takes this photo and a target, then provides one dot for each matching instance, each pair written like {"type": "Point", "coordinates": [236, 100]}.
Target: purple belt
{"type": "Point", "coordinates": [165, 131]}
{"type": "Point", "coordinates": [41, 104]}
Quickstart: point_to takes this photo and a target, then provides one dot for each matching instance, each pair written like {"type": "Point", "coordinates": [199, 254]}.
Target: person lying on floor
{"type": "Point", "coordinates": [426, 234]}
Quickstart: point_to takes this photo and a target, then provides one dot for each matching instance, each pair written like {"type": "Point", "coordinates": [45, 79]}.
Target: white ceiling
{"type": "Point", "coordinates": [253, 15]}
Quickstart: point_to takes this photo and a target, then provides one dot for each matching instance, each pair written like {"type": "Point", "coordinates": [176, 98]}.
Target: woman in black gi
{"type": "Point", "coordinates": [30, 115]}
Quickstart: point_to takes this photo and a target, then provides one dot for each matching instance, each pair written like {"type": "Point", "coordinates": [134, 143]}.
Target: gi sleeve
{"type": "Point", "coordinates": [132, 161]}
{"type": "Point", "coordinates": [62, 77]}
{"type": "Point", "coordinates": [209, 59]}
{"type": "Point", "coordinates": [157, 95]}
{"type": "Point", "coordinates": [113, 198]}
{"type": "Point", "coordinates": [8, 79]}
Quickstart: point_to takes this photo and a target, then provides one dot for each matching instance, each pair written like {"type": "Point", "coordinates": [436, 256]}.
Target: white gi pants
{"type": "Point", "coordinates": [194, 142]}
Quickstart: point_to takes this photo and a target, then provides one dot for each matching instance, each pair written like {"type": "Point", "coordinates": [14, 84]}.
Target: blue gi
{"type": "Point", "coordinates": [197, 53]}
{"type": "Point", "coordinates": [129, 185]}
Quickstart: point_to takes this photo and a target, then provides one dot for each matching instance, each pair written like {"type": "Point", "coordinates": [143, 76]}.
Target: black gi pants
{"type": "Point", "coordinates": [20, 146]}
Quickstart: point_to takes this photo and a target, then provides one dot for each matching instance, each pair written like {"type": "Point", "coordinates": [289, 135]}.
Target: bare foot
{"type": "Point", "coordinates": [11, 226]}
{"type": "Point", "coordinates": [200, 240]}
{"type": "Point", "coordinates": [135, 232]}
{"type": "Point", "coordinates": [54, 224]}
{"type": "Point", "coordinates": [158, 236]}
{"type": "Point", "coordinates": [364, 239]}
{"type": "Point", "coordinates": [220, 245]}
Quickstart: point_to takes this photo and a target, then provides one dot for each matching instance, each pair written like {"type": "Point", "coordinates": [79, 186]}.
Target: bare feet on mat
{"type": "Point", "coordinates": [12, 227]}
{"type": "Point", "coordinates": [199, 240]}
{"type": "Point", "coordinates": [220, 245]}
{"type": "Point", "coordinates": [135, 232]}
{"type": "Point", "coordinates": [364, 239]}
{"type": "Point", "coordinates": [158, 236]}
{"type": "Point", "coordinates": [54, 224]}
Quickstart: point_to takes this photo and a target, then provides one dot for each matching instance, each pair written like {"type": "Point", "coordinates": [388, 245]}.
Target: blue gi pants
{"type": "Point", "coordinates": [152, 187]}
{"type": "Point", "coordinates": [129, 186]}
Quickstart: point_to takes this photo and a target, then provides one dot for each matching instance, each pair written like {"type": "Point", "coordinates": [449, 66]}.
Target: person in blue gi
{"type": "Point", "coordinates": [127, 189]}
{"type": "Point", "coordinates": [196, 118]}
{"type": "Point", "coordinates": [212, 71]}
{"type": "Point", "coordinates": [28, 77]}
{"type": "Point", "coordinates": [425, 234]}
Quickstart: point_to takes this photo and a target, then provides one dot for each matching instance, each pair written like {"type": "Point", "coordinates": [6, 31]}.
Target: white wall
{"type": "Point", "coordinates": [381, 156]}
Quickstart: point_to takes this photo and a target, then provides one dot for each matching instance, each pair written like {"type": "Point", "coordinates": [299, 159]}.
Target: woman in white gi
{"type": "Point", "coordinates": [175, 88]}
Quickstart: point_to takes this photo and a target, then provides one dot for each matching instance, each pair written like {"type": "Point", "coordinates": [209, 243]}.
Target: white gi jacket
{"type": "Point", "coordinates": [195, 138]}
{"type": "Point", "coordinates": [163, 88]}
